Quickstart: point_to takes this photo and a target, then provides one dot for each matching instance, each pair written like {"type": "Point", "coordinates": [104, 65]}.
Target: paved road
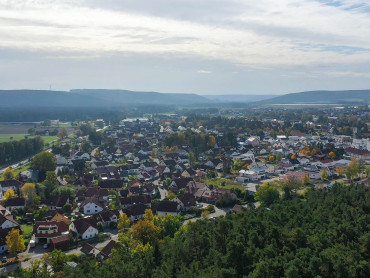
{"type": "Point", "coordinates": [163, 191]}
{"type": "Point", "coordinates": [37, 252]}
{"type": "Point", "coordinates": [218, 212]}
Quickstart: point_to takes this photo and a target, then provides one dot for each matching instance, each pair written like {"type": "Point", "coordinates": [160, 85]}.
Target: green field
{"type": "Point", "coordinates": [229, 184]}
{"type": "Point", "coordinates": [15, 137]}
{"type": "Point", "coordinates": [11, 137]}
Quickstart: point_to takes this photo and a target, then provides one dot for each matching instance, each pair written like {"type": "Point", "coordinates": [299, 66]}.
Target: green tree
{"type": "Point", "coordinates": [267, 194]}
{"type": "Point", "coordinates": [43, 162]}
{"type": "Point", "coordinates": [56, 259]}
{"type": "Point", "coordinates": [192, 158]}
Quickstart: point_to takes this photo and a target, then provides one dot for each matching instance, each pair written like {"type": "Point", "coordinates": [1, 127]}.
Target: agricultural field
{"type": "Point", "coordinates": [11, 132]}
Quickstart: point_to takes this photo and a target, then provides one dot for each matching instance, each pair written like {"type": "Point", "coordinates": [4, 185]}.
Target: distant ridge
{"type": "Point", "coordinates": [123, 98]}
{"type": "Point", "coordinates": [238, 98]}
{"type": "Point", "coordinates": [322, 97]}
{"type": "Point", "coordinates": [93, 98]}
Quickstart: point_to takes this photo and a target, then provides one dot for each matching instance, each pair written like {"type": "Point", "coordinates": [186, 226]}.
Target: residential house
{"type": "Point", "coordinates": [13, 184]}
{"type": "Point", "coordinates": [168, 207]}
{"type": "Point", "coordinates": [357, 153]}
{"type": "Point", "coordinates": [15, 203]}
{"type": "Point", "coordinates": [135, 199]}
{"type": "Point", "coordinates": [56, 202]}
{"type": "Point", "coordinates": [7, 222]}
{"type": "Point", "coordinates": [135, 212]}
{"type": "Point", "coordinates": [44, 231]}
{"type": "Point", "coordinates": [186, 201]}
{"type": "Point", "coordinates": [107, 217]}
{"type": "Point", "coordinates": [85, 228]}
{"type": "Point", "coordinates": [54, 215]}
{"type": "Point", "coordinates": [211, 196]}
{"type": "Point", "coordinates": [91, 206]}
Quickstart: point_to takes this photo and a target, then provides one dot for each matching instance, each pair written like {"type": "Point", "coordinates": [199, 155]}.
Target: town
{"type": "Point", "coordinates": [81, 192]}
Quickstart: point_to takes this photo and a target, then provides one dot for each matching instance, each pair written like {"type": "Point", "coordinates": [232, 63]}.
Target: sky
{"type": "Point", "coordinates": [185, 46]}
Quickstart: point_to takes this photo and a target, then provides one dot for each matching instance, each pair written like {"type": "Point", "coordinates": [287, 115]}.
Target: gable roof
{"type": "Point", "coordinates": [167, 206]}
{"type": "Point", "coordinates": [15, 202]}
{"type": "Point", "coordinates": [111, 183]}
{"type": "Point", "coordinates": [107, 250]}
{"type": "Point", "coordinates": [47, 225]}
{"type": "Point", "coordinates": [135, 210]}
{"type": "Point", "coordinates": [57, 201]}
{"type": "Point", "coordinates": [7, 218]}
{"type": "Point", "coordinates": [92, 200]}
{"type": "Point", "coordinates": [83, 224]}
{"type": "Point", "coordinates": [11, 183]}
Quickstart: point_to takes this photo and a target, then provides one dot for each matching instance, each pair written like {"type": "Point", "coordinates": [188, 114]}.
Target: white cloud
{"type": "Point", "coordinates": [264, 33]}
{"type": "Point", "coordinates": [204, 71]}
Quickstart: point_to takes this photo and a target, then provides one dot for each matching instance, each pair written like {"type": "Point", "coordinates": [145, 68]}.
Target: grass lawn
{"type": "Point", "coordinates": [27, 230]}
{"type": "Point", "coordinates": [229, 184]}
{"type": "Point", "coordinates": [48, 139]}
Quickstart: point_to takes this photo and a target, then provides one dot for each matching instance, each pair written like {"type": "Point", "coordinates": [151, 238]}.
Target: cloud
{"type": "Point", "coordinates": [204, 71]}
{"type": "Point", "coordinates": [324, 41]}
{"type": "Point", "coordinates": [251, 33]}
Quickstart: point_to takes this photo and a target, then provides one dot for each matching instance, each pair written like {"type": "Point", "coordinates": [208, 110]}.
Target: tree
{"type": "Point", "coordinates": [294, 156]}
{"type": "Point", "coordinates": [306, 179]}
{"type": "Point", "coordinates": [86, 147]}
{"type": "Point", "coordinates": [352, 169]}
{"type": "Point", "coordinates": [367, 171]}
{"type": "Point", "coordinates": [9, 194]}
{"type": "Point", "coordinates": [43, 162]}
{"type": "Point", "coordinates": [279, 156]}
{"type": "Point", "coordinates": [123, 221]}
{"type": "Point", "coordinates": [56, 259]}
{"type": "Point", "coordinates": [145, 232]}
{"type": "Point", "coordinates": [148, 215]}
{"type": "Point", "coordinates": [50, 183]}
{"type": "Point", "coordinates": [41, 213]}
{"type": "Point", "coordinates": [324, 174]}
{"type": "Point", "coordinates": [361, 165]}
{"type": "Point", "coordinates": [267, 194]}
{"type": "Point", "coordinates": [169, 224]}
{"type": "Point", "coordinates": [8, 174]}
{"type": "Point", "coordinates": [332, 155]}
{"type": "Point", "coordinates": [205, 214]}
{"type": "Point", "coordinates": [14, 241]}
{"type": "Point", "coordinates": [29, 192]}
{"type": "Point", "coordinates": [271, 158]}
{"type": "Point", "coordinates": [211, 141]}
{"type": "Point", "coordinates": [192, 158]}
{"type": "Point", "coordinates": [62, 133]}
{"type": "Point", "coordinates": [340, 171]}
{"type": "Point", "coordinates": [67, 208]}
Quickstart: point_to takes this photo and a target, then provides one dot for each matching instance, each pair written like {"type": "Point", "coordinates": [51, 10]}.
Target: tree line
{"type": "Point", "coordinates": [18, 150]}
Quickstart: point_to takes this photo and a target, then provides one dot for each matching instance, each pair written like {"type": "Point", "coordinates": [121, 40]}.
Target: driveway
{"type": "Point", "coordinates": [38, 251]}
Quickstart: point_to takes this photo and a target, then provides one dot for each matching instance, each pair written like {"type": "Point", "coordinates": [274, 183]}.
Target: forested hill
{"type": "Point", "coordinates": [324, 233]}
{"type": "Point", "coordinates": [93, 98]}
{"type": "Point", "coordinates": [321, 97]}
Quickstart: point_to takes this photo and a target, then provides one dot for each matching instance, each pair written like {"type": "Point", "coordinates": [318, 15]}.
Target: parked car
{"type": "Point", "coordinates": [45, 246]}
{"type": "Point", "coordinates": [4, 259]}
